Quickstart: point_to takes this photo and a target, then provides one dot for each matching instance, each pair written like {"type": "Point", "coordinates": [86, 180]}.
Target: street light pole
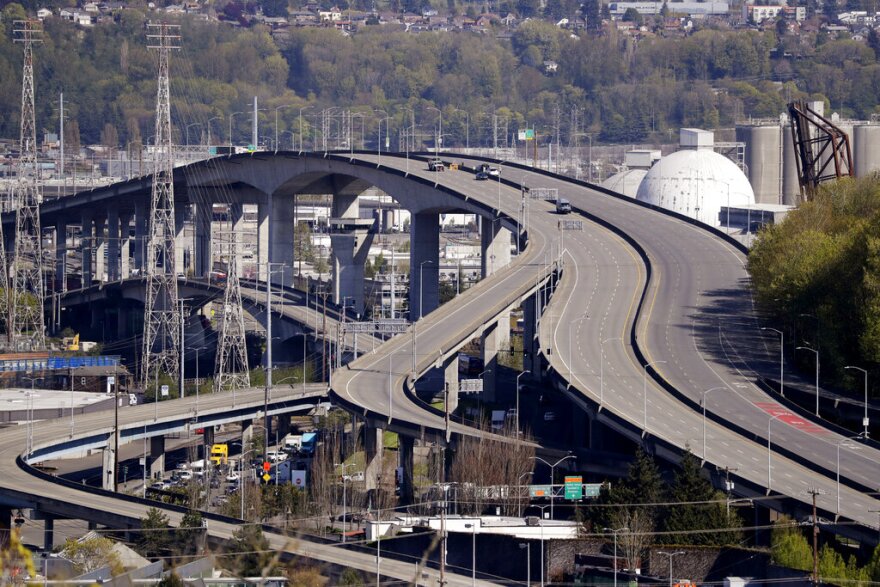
{"type": "Point", "coordinates": [705, 393]}
{"type": "Point", "coordinates": [553, 476]}
{"type": "Point", "coordinates": [781, 359]}
{"type": "Point", "coordinates": [615, 532]}
{"type": "Point", "coordinates": [231, 118]}
{"type": "Point", "coordinates": [865, 420]}
{"type": "Point", "coordinates": [816, 352]}
{"type": "Point", "coordinates": [517, 399]}
{"type": "Point", "coordinates": [670, 555]}
{"type": "Point", "coordinates": [473, 528]}
{"type": "Point", "coordinates": [645, 392]}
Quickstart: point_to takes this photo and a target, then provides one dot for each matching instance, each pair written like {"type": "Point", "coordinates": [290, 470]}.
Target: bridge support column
{"type": "Point", "coordinates": [281, 226]}
{"type": "Point", "coordinates": [247, 434]}
{"type": "Point", "coordinates": [350, 252]}
{"type": "Point", "coordinates": [494, 245]}
{"type": "Point", "coordinates": [157, 457]}
{"type": "Point", "coordinates": [60, 255]}
{"type": "Point", "coordinates": [531, 360]}
{"type": "Point", "coordinates": [202, 237]}
{"type": "Point", "coordinates": [450, 376]}
{"type": "Point", "coordinates": [283, 425]}
{"type": "Point", "coordinates": [208, 438]}
{"type": "Point", "coordinates": [373, 446]}
{"type": "Point", "coordinates": [125, 242]}
{"type": "Point", "coordinates": [113, 272]}
{"type": "Point", "coordinates": [141, 220]}
{"type": "Point", "coordinates": [180, 244]}
{"type": "Point", "coordinates": [406, 448]}
{"type": "Point", "coordinates": [108, 473]}
{"type": "Point", "coordinates": [495, 339]}
{"type": "Point", "coordinates": [100, 248]}
{"type": "Point", "coordinates": [86, 244]}
{"type": "Point", "coordinates": [48, 532]}
{"type": "Point", "coordinates": [424, 289]}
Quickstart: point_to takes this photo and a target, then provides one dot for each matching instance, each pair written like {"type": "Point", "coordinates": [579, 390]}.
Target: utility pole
{"type": "Point", "coordinates": [231, 365]}
{"type": "Point", "coordinates": [161, 315]}
{"type": "Point", "coordinates": [27, 321]}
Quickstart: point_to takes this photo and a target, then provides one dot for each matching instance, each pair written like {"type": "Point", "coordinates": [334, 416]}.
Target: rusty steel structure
{"type": "Point", "coordinates": [822, 149]}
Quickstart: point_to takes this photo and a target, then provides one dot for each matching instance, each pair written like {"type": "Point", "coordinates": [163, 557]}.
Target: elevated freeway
{"type": "Point", "coordinates": [638, 287]}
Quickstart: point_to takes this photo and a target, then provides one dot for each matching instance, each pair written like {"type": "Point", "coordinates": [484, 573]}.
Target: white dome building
{"type": "Point", "coordinates": [626, 182]}
{"type": "Point", "coordinates": [696, 183]}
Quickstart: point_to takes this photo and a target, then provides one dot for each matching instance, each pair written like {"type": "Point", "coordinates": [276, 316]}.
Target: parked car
{"type": "Point", "coordinates": [276, 456]}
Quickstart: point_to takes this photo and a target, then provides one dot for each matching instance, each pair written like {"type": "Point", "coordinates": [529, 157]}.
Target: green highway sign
{"type": "Point", "coordinates": [592, 489]}
{"type": "Point", "coordinates": [540, 490]}
{"type": "Point", "coordinates": [574, 487]}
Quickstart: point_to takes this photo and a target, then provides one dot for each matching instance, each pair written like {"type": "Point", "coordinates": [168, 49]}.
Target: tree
{"type": "Point", "coordinates": [91, 554]}
{"type": "Point", "coordinates": [699, 507]}
{"type": "Point", "coordinates": [251, 554]}
{"type": "Point", "coordinates": [789, 546]}
{"type": "Point", "coordinates": [632, 15]}
{"type": "Point", "coordinates": [15, 560]}
{"type": "Point", "coordinates": [172, 579]}
{"type": "Point", "coordinates": [190, 535]}
{"type": "Point", "coordinates": [351, 577]}
{"type": "Point", "coordinates": [154, 540]}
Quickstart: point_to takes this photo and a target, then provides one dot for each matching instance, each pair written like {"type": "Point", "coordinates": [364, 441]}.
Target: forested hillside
{"type": "Point", "coordinates": [608, 84]}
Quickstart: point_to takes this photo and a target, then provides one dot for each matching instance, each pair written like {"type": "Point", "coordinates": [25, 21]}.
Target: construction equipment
{"type": "Point", "coordinates": [822, 149]}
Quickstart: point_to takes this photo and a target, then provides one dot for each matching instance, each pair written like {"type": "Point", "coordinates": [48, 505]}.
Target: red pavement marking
{"type": "Point", "coordinates": [785, 415]}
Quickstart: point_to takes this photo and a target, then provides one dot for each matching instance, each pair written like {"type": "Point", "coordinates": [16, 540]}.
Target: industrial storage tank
{"type": "Point", "coordinates": [791, 187]}
{"type": "Point", "coordinates": [696, 184]}
{"type": "Point", "coordinates": [626, 182]}
{"type": "Point", "coordinates": [763, 159]}
{"type": "Point", "coordinates": [866, 149]}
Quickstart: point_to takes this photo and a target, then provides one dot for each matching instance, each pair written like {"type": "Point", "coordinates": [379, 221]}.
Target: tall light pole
{"type": "Point", "coordinates": [439, 129]}
{"type": "Point", "coordinates": [301, 126]}
{"type": "Point", "coordinates": [769, 464]}
{"type": "Point", "coordinates": [187, 131]}
{"type": "Point", "coordinates": [467, 127]}
{"type": "Point", "coordinates": [517, 399]}
{"type": "Point", "coordinates": [344, 500]}
{"type": "Point", "coordinates": [276, 121]}
{"type": "Point", "coordinates": [29, 410]}
{"type": "Point", "coordinates": [231, 118]}
{"type": "Point", "coordinates": [814, 351]}
{"type": "Point", "coordinates": [570, 366]}
{"type": "Point", "coordinates": [196, 350]}
{"type": "Point", "coordinates": [208, 124]}
{"type": "Point", "coordinates": [645, 392]}
{"type": "Point", "coordinates": [615, 532]}
{"type": "Point", "coordinates": [602, 368]}
{"type": "Point", "coordinates": [670, 555]}
{"type": "Point", "coordinates": [865, 420]}
{"type": "Point", "coordinates": [839, 443]}
{"type": "Point", "coordinates": [781, 359]}
{"type": "Point", "coordinates": [473, 528]}
{"type": "Point", "coordinates": [542, 507]}
{"type": "Point", "coordinates": [704, 401]}
{"type": "Point", "coordinates": [553, 476]}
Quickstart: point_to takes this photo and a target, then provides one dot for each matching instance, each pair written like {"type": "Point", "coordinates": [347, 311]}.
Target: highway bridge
{"type": "Point", "coordinates": [651, 322]}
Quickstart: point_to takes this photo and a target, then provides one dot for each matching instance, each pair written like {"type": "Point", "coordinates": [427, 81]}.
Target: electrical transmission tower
{"type": "Point", "coordinates": [162, 317]}
{"type": "Point", "coordinates": [231, 368]}
{"type": "Point", "coordinates": [26, 315]}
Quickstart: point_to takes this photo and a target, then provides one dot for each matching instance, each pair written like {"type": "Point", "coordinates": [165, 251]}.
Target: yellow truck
{"type": "Point", "coordinates": [219, 454]}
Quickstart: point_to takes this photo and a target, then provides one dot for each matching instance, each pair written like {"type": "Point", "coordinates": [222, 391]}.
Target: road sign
{"type": "Point", "coordinates": [543, 193]}
{"type": "Point", "coordinates": [266, 466]}
{"type": "Point", "coordinates": [592, 489]}
{"type": "Point", "coordinates": [540, 490]}
{"type": "Point", "coordinates": [574, 487]}
{"type": "Point", "coordinates": [470, 386]}
{"type": "Point", "coordinates": [571, 225]}
{"type": "Point", "coordinates": [164, 391]}
{"type": "Point", "coordinates": [377, 327]}
{"type": "Point", "coordinates": [526, 134]}
{"type": "Point", "coordinates": [266, 477]}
